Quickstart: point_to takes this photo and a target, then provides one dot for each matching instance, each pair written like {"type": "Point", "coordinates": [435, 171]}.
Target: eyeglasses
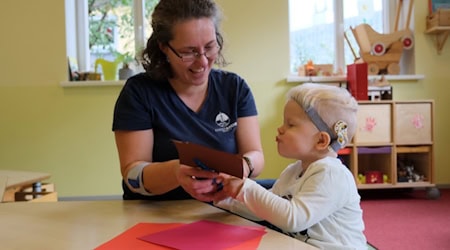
{"type": "Point", "coordinates": [192, 56]}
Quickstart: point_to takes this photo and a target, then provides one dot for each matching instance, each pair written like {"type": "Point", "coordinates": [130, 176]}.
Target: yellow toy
{"type": "Point", "coordinates": [109, 68]}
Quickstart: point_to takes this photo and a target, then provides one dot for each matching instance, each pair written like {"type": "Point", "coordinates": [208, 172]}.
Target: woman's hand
{"type": "Point", "coordinates": [199, 183]}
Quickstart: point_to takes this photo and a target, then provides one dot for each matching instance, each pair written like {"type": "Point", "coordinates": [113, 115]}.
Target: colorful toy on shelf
{"type": "Point", "coordinates": [382, 52]}
{"type": "Point", "coordinates": [373, 177]}
{"type": "Point", "coordinates": [406, 172]}
{"type": "Point", "coordinates": [362, 179]}
{"type": "Point", "coordinates": [310, 70]}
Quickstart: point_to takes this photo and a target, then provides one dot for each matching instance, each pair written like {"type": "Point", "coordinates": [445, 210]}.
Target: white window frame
{"type": "Point", "coordinates": [78, 41]}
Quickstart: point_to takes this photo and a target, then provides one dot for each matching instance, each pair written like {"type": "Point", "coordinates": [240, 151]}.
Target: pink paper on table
{"type": "Point", "coordinates": [205, 235]}
{"type": "Point", "coordinates": [128, 240]}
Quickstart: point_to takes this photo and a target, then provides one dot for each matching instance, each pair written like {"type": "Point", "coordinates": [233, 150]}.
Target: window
{"type": "Point", "coordinates": [106, 29]}
{"type": "Point", "coordinates": [318, 29]}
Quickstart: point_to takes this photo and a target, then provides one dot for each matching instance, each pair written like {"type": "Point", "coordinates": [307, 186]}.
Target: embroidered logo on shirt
{"type": "Point", "coordinates": [223, 121]}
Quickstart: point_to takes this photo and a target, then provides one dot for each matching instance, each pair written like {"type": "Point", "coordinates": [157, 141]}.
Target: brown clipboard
{"type": "Point", "coordinates": [217, 160]}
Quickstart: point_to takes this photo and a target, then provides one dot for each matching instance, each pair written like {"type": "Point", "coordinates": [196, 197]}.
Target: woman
{"type": "Point", "coordinates": [181, 97]}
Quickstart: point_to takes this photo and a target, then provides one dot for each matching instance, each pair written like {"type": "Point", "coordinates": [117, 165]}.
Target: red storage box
{"type": "Point", "coordinates": [374, 177]}
{"type": "Point", "coordinates": [357, 81]}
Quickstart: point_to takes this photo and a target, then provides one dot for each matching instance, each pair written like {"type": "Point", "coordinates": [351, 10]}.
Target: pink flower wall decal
{"type": "Point", "coordinates": [418, 121]}
{"type": "Point", "coordinates": [370, 124]}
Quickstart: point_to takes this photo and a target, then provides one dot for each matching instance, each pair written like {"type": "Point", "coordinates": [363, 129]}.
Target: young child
{"type": "Point", "coordinates": [315, 199]}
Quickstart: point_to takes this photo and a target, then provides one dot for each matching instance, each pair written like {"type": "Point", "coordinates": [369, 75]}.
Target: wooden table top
{"type": "Point", "coordinates": [88, 224]}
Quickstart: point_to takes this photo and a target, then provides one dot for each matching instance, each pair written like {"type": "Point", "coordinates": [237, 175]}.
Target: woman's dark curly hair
{"type": "Point", "coordinates": [166, 15]}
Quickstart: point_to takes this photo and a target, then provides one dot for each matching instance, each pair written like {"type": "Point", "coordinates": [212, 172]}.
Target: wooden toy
{"type": "Point", "coordinates": [382, 52]}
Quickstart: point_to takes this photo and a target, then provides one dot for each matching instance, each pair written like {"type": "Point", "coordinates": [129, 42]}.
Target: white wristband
{"type": "Point", "coordinates": [135, 180]}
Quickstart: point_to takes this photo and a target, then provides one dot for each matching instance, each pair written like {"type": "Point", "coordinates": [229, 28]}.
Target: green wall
{"type": "Point", "coordinates": [67, 131]}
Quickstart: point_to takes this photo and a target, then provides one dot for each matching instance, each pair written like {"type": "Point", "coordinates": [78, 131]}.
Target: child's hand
{"type": "Point", "coordinates": [231, 186]}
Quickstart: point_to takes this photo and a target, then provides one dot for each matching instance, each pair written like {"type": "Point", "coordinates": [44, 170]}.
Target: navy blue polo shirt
{"type": "Point", "coordinates": [148, 104]}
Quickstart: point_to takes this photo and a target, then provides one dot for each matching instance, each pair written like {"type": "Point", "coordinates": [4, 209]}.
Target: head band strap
{"type": "Point", "coordinates": [322, 126]}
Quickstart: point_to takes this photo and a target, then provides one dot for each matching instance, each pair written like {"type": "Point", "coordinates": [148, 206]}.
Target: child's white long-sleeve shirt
{"type": "Point", "coordinates": [324, 201]}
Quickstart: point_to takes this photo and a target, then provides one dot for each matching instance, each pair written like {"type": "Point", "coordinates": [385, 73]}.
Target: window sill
{"type": "Point", "coordinates": [290, 79]}
{"type": "Point", "coordinates": [71, 84]}
{"type": "Point", "coordinates": [341, 79]}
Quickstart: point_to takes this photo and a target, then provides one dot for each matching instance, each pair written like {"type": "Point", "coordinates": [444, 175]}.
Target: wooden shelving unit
{"type": "Point", "coordinates": [441, 34]}
{"type": "Point", "coordinates": [390, 134]}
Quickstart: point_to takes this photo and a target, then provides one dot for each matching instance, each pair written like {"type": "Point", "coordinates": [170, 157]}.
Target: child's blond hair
{"type": "Point", "coordinates": [333, 104]}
